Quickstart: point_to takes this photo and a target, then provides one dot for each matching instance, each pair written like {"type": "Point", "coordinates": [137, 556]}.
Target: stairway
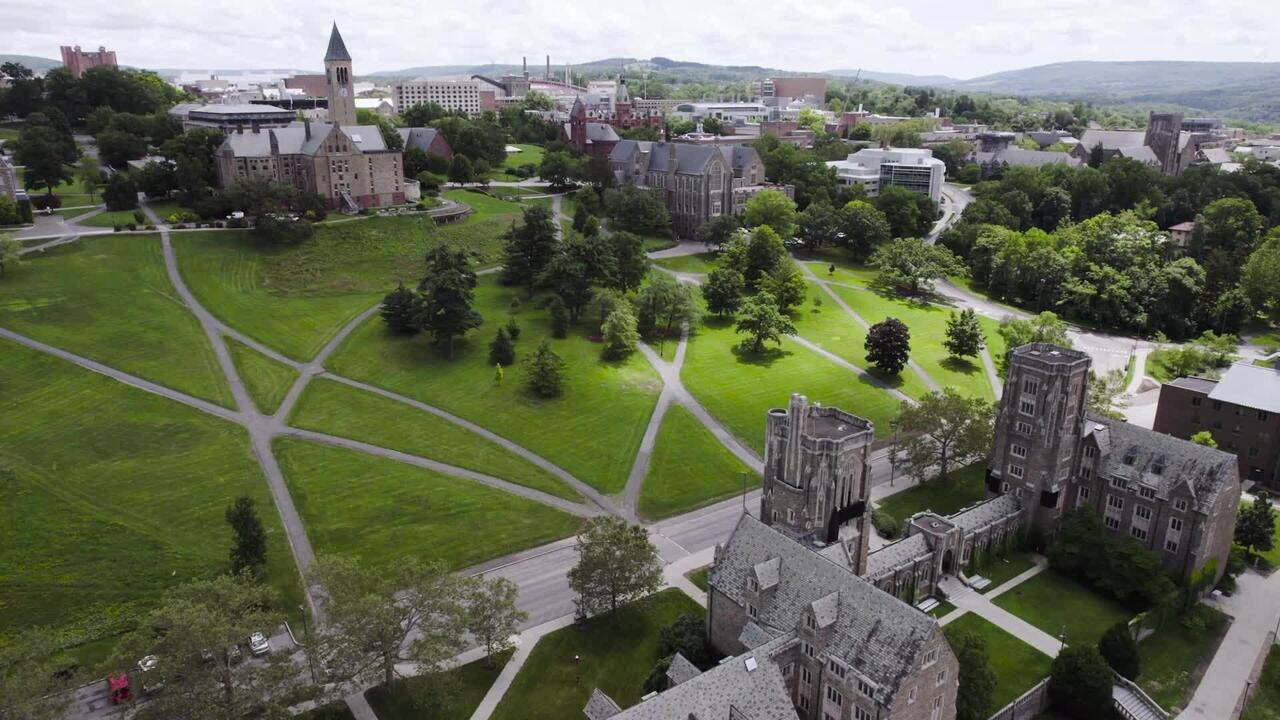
{"type": "Point", "coordinates": [1134, 704]}
{"type": "Point", "coordinates": [351, 206]}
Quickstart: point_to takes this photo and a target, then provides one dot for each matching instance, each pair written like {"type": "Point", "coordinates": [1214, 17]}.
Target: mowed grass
{"type": "Point", "coordinates": [412, 698]}
{"type": "Point", "coordinates": [268, 380]}
{"type": "Point", "coordinates": [689, 468]}
{"type": "Point", "coordinates": [1264, 702]}
{"type": "Point", "coordinates": [331, 407]}
{"type": "Point", "coordinates": [1001, 570]}
{"type": "Point", "coordinates": [592, 430]}
{"type": "Point", "coordinates": [528, 155]}
{"type": "Point", "coordinates": [382, 511]}
{"type": "Point", "coordinates": [699, 263]}
{"type": "Point", "coordinates": [701, 578]}
{"type": "Point", "coordinates": [1017, 665]}
{"type": "Point", "coordinates": [739, 387]}
{"type": "Point", "coordinates": [964, 488]}
{"type": "Point", "coordinates": [109, 495]}
{"type": "Point", "coordinates": [614, 653]}
{"type": "Point", "coordinates": [111, 218]}
{"type": "Point", "coordinates": [1055, 603]}
{"type": "Point", "coordinates": [109, 299]}
{"type": "Point", "coordinates": [1175, 657]}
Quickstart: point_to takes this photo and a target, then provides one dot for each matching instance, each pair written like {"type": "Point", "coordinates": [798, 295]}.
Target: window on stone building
{"type": "Point", "coordinates": [1018, 451]}
{"type": "Point", "coordinates": [1180, 505]}
{"type": "Point", "coordinates": [1118, 483]}
{"type": "Point", "coordinates": [810, 623]}
{"type": "Point", "coordinates": [752, 611]}
{"type": "Point", "coordinates": [1142, 511]}
{"type": "Point", "coordinates": [805, 676]}
{"type": "Point", "coordinates": [942, 676]}
{"type": "Point", "coordinates": [865, 689]}
{"type": "Point", "coordinates": [860, 714]}
{"type": "Point", "coordinates": [1027, 406]}
{"type": "Point", "coordinates": [1016, 471]}
{"type": "Point", "coordinates": [911, 695]}
{"type": "Point", "coordinates": [834, 696]}
{"type": "Point", "coordinates": [930, 658]}
{"type": "Point", "coordinates": [1090, 451]}
{"type": "Point", "coordinates": [1146, 492]}
{"type": "Point", "coordinates": [1111, 522]}
{"type": "Point", "coordinates": [1030, 386]}
{"type": "Point", "coordinates": [1217, 404]}
{"type": "Point", "coordinates": [752, 585]}
{"type": "Point", "coordinates": [1086, 472]}
{"type": "Point", "coordinates": [1195, 401]}
{"type": "Point", "coordinates": [1171, 546]}
{"type": "Point", "coordinates": [1115, 502]}
{"type": "Point", "coordinates": [836, 668]}
{"type": "Point", "coordinates": [1138, 533]}
{"type": "Point", "coordinates": [808, 650]}
{"type": "Point", "coordinates": [1024, 427]}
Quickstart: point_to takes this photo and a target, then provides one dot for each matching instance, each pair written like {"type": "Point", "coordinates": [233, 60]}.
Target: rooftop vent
{"type": "Point", "coordinates": [750, 664]}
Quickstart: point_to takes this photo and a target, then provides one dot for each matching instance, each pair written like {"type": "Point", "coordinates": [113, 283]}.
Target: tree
{"type": "Point", "coordinates": [1106, 393]}
{"type": "Point", "coordinates": [630, 262]}
{"type": "Point", "coordinates": [581, 264]}
{"type": "Point", "coordinates": [460, 170]}
{"type": "Point", "coordinates": [249, 553]}
{"type": "Point", "coordinates": [559, 317]}
{"type": "Point", "coordinates": [620, 334]}
{"type": "Point", "coordinates": [45, 153]}
{"type": "Point", "coordinates": [492, 615]}
{"type": "Point", "coordinates": [819, 225]}
{"type": "Point", "coordinates": [773, 209]}
{"type": "Point", "coordinates": [121, 193]}
{"type": "Point", "coordinates": [964, 334]}
{"type": "Point", "coordinates": [195, 634]}
{"type": "Point", "coordinates": [638, 210]}
{"type": "Point", "coordinates": [1256, 524]}
{"type": "Point", "coordinates": [908, 216]}
{"type": "Point", "coordinates": [10, 253]}
{"type": "Point", "coordinates": [944, 430]}
{"type": "Point", "coordinates": [399, 311]}
{"type": "Point", "coordinates": [1204, 437]}
{"type": "Point", "coordinates": [9, 212]}
{"type": "Point", "coordinates": [754, 255]}
{"type": "Point", "coordinates": [977, 680]}
{"type": "Point", "coordinates": [717, 231]}
{"type": "Point", "coordinates": [528, 248]}
{"type": "Point", "coordinates": [663, 305]}
{"type": "Point", "coordinates": [1043, 328]}
{"type": "Point", "coordinates": [888, 345]}
{"type": "Point", "coordinates": [1116, 565]}
{"type": "Point", "coordinates": [1120, 650]}
{"type": "Point", "coordinates": [911, 266]}
{"type": "Point", "coordinates": [117, 148]}
{"type": "Point", "coordinates": [616, 564]}
{"type": "Point", "coordinates": [378, 617]}
{"type": "Point", "coordinates": [723, 291]}
{"type": "Point", "coordinates": [502, 351]}
{"type": "Point", "coordinates": [786, 284]}
{"type": "Point", "coordinates": [29, 685]}
{"type": "Point", "coordinates": [90, 176]}
{"type": "Point", "coordinates": [445, 296]}
{"type": "Point", "coordinates": [1260, 277]}
{"type": "Point", "coordinates": [762, 321]}
{"type": "Point", "coordinates": [865, 228]}
{"type": "Point", "coordinates": [687, 635]}
{"type": "Point", "coordinates": [556, 168]}
{"type": "Point", "coordinates": [1080, 683]}
{"type": "Point", "coordinates": [545, 371]}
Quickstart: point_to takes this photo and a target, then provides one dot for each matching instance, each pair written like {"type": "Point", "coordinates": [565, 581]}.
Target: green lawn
{"type": "Point", "coordinates": [965, 488]}
{"type": "Point", "coordinates": [109, 495]}
{"type": "Point", "coordinates": [565, 430]}
{"type": "Point", "coordinates": [1053, 602]}
{"type": "Point", "coordinates": [331, 407]}
{"type": "Point", "coordinates": [739, 388]}
{"type": "Point", "coordinates": [942, 610]}
{"type": "Point", "coordinates": [1001, 570]}
{"type": "Point", "coordinates": [701, 578]}
{"type": "Point", "coordinates": [411, 700]}
{"type": "Point", "coordinates": [1017, 665]}
{"type": "Point", "coordinates": [71, 192]}
{"type": "Point", "coordinates": [700, 263]}
{"type": "Point", "coordinates": [381, 511]}
{"type": "Point", "coordinates": [528, 155]}
{"type": "Point", "coordinates": [1175, 657]}
{"type": "Point", "coordinates": [615, 654]}
{"type": "Point", "coordinates": [69, 213]}
{"type": "Point", "coordinates": [655, 242]}
{"type": "Point", "coordinates": [1264, 701]}
{"type": "Point", "coordinates": [845, 272]}
{"type": "Point", "coordinates": [690, 468]}
{"type": "Point", "coordinates": [165, 208]}
{"type": "Point", "coordinates": [110, 300]}
{"type": "Point", "coordinates": [111, 218]}
{"type": "Point", "coordinates": [267, 380]}
{"type": "Point", "coordinates": [485, 204]}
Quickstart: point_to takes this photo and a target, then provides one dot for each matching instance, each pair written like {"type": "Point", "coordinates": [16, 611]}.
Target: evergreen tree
{"type": "Point", "coordinates": [250, 549]}
{"type": "Point", "coordinates": [528, 249]}
{"type": "Point", "coordinates": [559, 317]}
{"type": "Point", "coordinates": [400, 310]}
{"type": "Point", "coordinates": [723, 291]}
{"type": "Point", "coordinates": [620, 334]}
{"type": "Point", "coordinates": [580, 215]}
{"type": "Point", "coordinates": [1121, 650]}
{"type": "Point", "coordinates": [546, 371]}
{"type": "Point", "coordinates": [445, 296]}
{"type": "Point", "coordinates": [977, 680]}
{"type": "Point", "coordinates": [630, 262]}
{"type": "Point", "coordinates": [763, 322]}
{"type": "Point", "coordinates": [888, 345]}
{"type": "Point", "coordinates": [513, 329]}
{"type": "Point", "coordinates": [501, 350]}
{"type": "Point", "coordinates": [964, 334]}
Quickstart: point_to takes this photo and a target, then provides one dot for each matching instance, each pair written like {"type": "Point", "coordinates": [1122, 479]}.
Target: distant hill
{"type": "Point", "coordinates": [38, 65]}
{"type": "Point", "coordinates": [896, 78]}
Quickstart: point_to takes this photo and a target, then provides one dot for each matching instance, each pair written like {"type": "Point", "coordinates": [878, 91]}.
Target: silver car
{"type": "Point", "coordinates": [259, 644]}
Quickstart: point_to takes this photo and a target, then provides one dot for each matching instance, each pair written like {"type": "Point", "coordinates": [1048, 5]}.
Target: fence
{"type": "Point", "coordinates": [1030, 704]}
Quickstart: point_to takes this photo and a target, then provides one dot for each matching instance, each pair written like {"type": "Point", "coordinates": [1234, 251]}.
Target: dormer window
{"type": "Point", "coordinates": [810, 623]}
{"type": "Point", "coordinates": [752, 584]}
{"type": "Point", "coordinates": [1130, 456]}
{"type": "Point", "coordinates": [1157, 467]}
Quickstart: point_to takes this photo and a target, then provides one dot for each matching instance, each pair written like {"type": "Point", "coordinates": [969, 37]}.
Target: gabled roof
{"type": "Point", "coordinates": [418, 137]}
{"type": "Point", "coordinates": [596, 132]}
{"type": "Point", "coordinates": [292, 139]}
{"type": "Point", "coordinates": [976, 517]}
{"type": "Point", "coordinates": [1027, 158]}
{"type": "Point", "coordinates": [691, 159]}
{"type": "Point", "coordinates": [600, 706]}
{"type": "Point", "coordinates": [767, 573]}
{"type": "Point", "coordinates": [873, 632]}
{"type": "Point", "coordinates": [895, 554]}
{"type": "Point", "coordinates": [1113, 139]}
{"type": "Point", "coordinates": [681, 670]}
{"type": "Point", "coordinates": [1142, 154]}
{"type": "Point", "coordinates": [337, 49]}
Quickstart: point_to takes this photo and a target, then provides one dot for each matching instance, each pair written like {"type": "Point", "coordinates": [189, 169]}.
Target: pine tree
{"type": "Point", "coordinates": [964, 334]}
{"type": "Point", "coordinates": [501, 350]}
{"type": "Point", "coordinates": [399, 310]}
{"type": "Point", "coordinates": [888, 345]}
{"type": "Point", "coordinates": [445, 296]}
{"type": "Point", "coordinates": [513, 329]}
{"type": "Point", "coordinates": [546, 372]}
{"type": "Point", "coordinates": [559, 317]}
{"type": "Point", "coordinates": [250, 549]}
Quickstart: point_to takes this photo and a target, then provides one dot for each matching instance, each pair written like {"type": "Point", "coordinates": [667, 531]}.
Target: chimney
{"type": "Point", "coordinates": [306, 126]}
{"type": "Point", "coordinates": [524, 65]}
{"type": "Point", "coordinates": [548, 67]}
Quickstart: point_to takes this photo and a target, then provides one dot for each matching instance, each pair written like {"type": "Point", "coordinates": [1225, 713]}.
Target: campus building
{"type": "Point", "coordinates": [915, 169]}
{"type": "Point", "coordinates": [77, 61]}
{"type": "Point", "coordinates": [454, 95]}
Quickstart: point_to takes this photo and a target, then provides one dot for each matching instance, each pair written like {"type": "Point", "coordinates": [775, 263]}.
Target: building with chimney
{"type": "Point", "coordinates": [77, 60]}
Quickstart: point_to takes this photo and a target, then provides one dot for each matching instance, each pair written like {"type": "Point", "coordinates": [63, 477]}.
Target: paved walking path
{"type": "Point", "coordinates": [528, 639]}
{"type": "Point", "coordinates": [640, 468]}
{"type": "Point", "coordinates": [1139, 370]}
{"type": "Point", "coordinates": [966, 600]}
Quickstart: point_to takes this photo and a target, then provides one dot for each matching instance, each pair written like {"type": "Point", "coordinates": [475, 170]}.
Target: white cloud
{"type": "Point", "coordinates": [917, 36]}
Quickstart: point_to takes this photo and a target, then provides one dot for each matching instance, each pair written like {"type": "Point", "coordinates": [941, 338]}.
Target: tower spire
{"type": "Point", "coordinates": [337, 48]}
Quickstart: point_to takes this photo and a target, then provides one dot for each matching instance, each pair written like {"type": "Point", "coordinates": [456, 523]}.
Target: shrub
{"type": "Point", "coordinates": [687, 635]}
{"type": "Point", "coordinates": [1118, 566]}
{"type": "Point", "coordinates": [139, 217]}
{"type": "Point", "coordinates": [44, 202]}
{"type": "Point", "coordinates": [513, 327]}
{"type": "Point", "coordinates": [133, 226]}
{"type": "Point", "coordinates": [117, 228]}
{"type": "Point", "coordinates": [1080, 683]}
{"type": "Point", "coordinates": [1120, 650]}
{"type": "Point", "coordinates": [886, 524]}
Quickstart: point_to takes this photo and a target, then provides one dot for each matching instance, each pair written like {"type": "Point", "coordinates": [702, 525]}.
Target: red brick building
{"type": "Point", "coordinates": [77, 61]}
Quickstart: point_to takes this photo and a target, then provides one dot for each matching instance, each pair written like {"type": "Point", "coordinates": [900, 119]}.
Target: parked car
{"type": "Point", "coordinates": [148, 663]}
{"type": "Point", "coordinates": [118, 688]}
{"type": "Point", "coordinates": [259, 644]}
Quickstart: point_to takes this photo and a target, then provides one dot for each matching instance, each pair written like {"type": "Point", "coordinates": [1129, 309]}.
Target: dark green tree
{"type": "Point", "coordinates": [723, 291]}
{"type": "Point", "coordinates": [717, 231]}
{"type": "Point", "coordinates": [865, 228]}
{"type": "Point", "coordinates": [559, 317]}
{"type": "Point", "coordinates": [663, 306]}
{"type": "Point", "coordinates": [249, 551]}
{"type": "Point", "coordinates": [545, 371]}
{"type": "Point", "coordinates": [581, 264]}
{"type": "Point", "coordinates": [528, 248]}
{"type": "Point", "coordinates": [638, 210]}
{"type": "Point", "coordinates": [943, 431]}
{"type": "Point", "coordinates": [630, 262]}
{"type": "Point", "coordinates": [1120, 650]}
{"type": "Point", "coordinates": [45, 153]}
{"type": "Point", "coordinates": [400, 310]}
{"type": "Point", "coordinates": [513, 329]}
{"type": "Point", "coordinates": [616, 564]}
{"type": "Point", "coordinates": [1080, 683]}
{"type": "Point", "coordinates": [121, 193]}
{"type": "Point", "coordinates": [117, 148]}
{"type": "Point", "coordinates": [446, 295]}
{"type": "Point", "coordinates": [460, 170]}
{"type": "Point", "coordinates": [556, 168]}
{"type": "Point", "coordinates": [1256, 524]}
{"type": "Point", "coordinates": [888, 345]}
{"type": "Point", "coordinates": [502, 351]}
{"type": "Point", "coordinates": [907, 216]}
{"type": "Point", "coordinates": [786, 284]}
{"type": "Point", "coordinates": [964, 334]}
{"type": "Point", "coordinates": [687, 635]}
{"type": "Point", "coordinates": [762, 321]}
{"type": "Point", "coordinates": [977, 679]}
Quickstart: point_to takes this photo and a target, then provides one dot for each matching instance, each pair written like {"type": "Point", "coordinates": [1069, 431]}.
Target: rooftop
{"type": "Point", "coordinates": [1052, 354]}
{"type": "Point", "coordinates": [1252, 386]}
{"type": "Point", "coordinates": [337, 49]}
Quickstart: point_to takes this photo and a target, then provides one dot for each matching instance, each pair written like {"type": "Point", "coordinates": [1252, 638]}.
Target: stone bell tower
{"type": "Point", "coordinates": [337, 72]}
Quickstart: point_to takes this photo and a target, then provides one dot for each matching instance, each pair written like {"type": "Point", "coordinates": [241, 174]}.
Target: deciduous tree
{"type": "Point", "coordinates": [865, 228]}
{"type": "Point", "coordinates": [718, 231]}
{"type": "Point", "coordinates": [786, 284]}
{"type": "Point", "coordinates": [1080, 683]}
{"type": "Point", "coordinates": [977, 680]}
{"type": "Point", "coordinates": [943, 431]}
{"type": "Point", "coordinates": [888, 345]}
{"type": "Point", "coordinates": [10, 253]}
{"type": "Point", "coordinates": [723, 291]}
{"type": "Point", "coordinates": [762, 321]}
{"type": "Point", "coordinates": [619, 334]}
{"type": "Point", "coordinates": [773, 209]}
{"type": "Point", "coordinates": [1256, 524]}
{"type": "Point", "coordinates": [1120, 650]}
{"type": "Point", "coordinates": [492, 615]}
{"type": "Point", "coordinates": [964, 334]}
{"type": "Point", "coordinates": [616, 564]}
{"type": "Point", "coordinates": [528, 248]}
{"type": "Point", "coordinates": [909, 265]}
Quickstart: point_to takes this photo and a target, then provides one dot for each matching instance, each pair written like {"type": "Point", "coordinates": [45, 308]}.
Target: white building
{"type": "Point", "coordinates": [463, 95]}
{"type": "Point", "coordinates": [733, 113]}
{"type": "Point", "coordinates": [915, 169]}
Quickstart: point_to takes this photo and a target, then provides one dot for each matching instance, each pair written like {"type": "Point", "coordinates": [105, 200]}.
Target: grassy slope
{"type": "Point", "coordinates": [689, 469]}
{"type": "Point", "coordinates": [267, 380]}
{"type": "Point", "coordinates": [566, 430]}
{"type": "Point", "coordinates": [739, 388]}
{"type": "Point", "coordinates": [111, 494]}
{"type": "Point", "coordinates": [1174, 658]}
{"type": "Point", "coordinates": [380, 511]}
{"type": "Point", "coordinates": [331, 407]}
{"type": "Point", "coordinates": [1017, 665]}
{"type": "Point", "coordinates": [110, 300]}
{"type": "Point", "coordinates": [965, 488]}
{"type": "Point", "coordinates": [406, 700]}
{"type": "Point", "coordinates": [1053, 603]}
{"type": "Point", "coordinates": [616, 654]}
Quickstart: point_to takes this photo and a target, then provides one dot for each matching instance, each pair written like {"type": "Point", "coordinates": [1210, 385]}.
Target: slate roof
{"type": "Point", "coordinates": [751, 684]}
{"type": "Point", "coordinates": [1249, 385]}
{"type": "Point", "coordinates": [417, 137]}
{"type": "Point", "coordinates": [1142, 154]}
{"type": "Point", "coordinates": [1196, 384]}
{"type": "Point", "coordinates": [874, 632]}
{"type": "Point", "coordinates": [600, 706]}
{"type": "Point", "coordinates": [682, 670]}
{"type": "Point", "coordinates": [896, 553]}
{"type": "Point", "coordinates": [767, 573]}
{"type": "Point", "coordinates": [979, 516]}
{"type": "Point", "coordinates": [1206, 471]}
{"type": "Point", "coordinates": [292, 140]}
{"type": "Point", "coordinates": [1113, 139]}
{"type": "Point", "coordinates": [596, 132]}
{"type": "Point", "coordinates": [1027, 158]}
{"type": "Point", "coordinates": [337, 49]}
{"type": "Point", "coordinates": [691, 159]}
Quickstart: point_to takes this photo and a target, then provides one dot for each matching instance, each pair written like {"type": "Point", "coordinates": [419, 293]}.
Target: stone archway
{"type": "Point", "coordinates": [948, 562]}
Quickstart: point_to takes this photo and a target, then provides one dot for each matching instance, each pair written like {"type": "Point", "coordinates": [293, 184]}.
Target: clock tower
{"type": "Point", "coordinates": [337, 71]}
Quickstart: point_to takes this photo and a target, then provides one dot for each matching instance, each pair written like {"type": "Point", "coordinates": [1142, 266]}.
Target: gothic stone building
{"type": "Point", "coordinates": [697, 182]}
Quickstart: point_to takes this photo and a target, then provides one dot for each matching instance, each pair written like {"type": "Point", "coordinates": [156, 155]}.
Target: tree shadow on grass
{"type": "Point", "coordinates": [895, 381]}
{"type": "Point", "coordinates": [765, 358]}
{"type": "Point", "coordinates": [959, 365]}
{"type": "Point", "coordinates": [717, 322]}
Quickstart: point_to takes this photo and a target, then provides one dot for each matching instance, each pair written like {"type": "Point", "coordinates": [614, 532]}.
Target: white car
{"type": "Point", "coordinates": [148, 663]}
{"type": "Point", "coordinates": [259, 644]}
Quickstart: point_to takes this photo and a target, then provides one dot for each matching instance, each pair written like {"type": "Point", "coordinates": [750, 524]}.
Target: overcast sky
{"type": "Point", "coordinates": [951, 37]}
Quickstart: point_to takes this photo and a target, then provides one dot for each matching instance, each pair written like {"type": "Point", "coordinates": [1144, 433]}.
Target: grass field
{"type": "Point", "coordinates": [1175, 657]}
{"type": "Point", "coordinates": [109, 495]}
{"type": "Point", "coordinates": [966, 488]}
{"type": "Point", "coordinates": [689, 468]}
{"type": "Point", "coordinates": [699, 263]}
{"type": "Point", "coordinates": [110, 300]}
{"type": "Point", "coordinates": [1264, 702]}
{"type": "Point", "coordinates": [72, 192]}
{"type": "Point", "coordinates": [701, 578]}
{"type": "Point", "coordinates": [331, 407]}
{"type": "Point", "coordinates": [1002, 570]}
{"type": "Point", "coordinates": [655, 242]}
{"type": "Point", "coordinates": [267, 380]}
{"type": "Point", "coordinates": [845, 272]}
{"type": "Point", "coordinates": [111, 218]}
{"type": "Point", "coordinates": [1017, 665]}
{"type": "Point", "coordinates": [739, 388]}
{"type": "Point", "coordinates": [1055, 603]}
{"type": "Point", "coordinates": [615, 654]}
{"type": "Point", "coordinates": [565, 430]}
{"type": "Point", "coordinates": [411, 700]}
{"type": "Point", "coordinates": [381, 511]}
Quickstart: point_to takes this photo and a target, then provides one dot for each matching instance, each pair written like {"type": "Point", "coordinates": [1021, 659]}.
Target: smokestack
{"type": "Point", "coordinates": [524, 65]}
{"type": "Point", "coordinates": [548, 76]}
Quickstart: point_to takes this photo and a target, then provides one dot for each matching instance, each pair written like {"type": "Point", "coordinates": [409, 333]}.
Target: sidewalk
{"type": "Point", "coordinates": [528, 639]}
